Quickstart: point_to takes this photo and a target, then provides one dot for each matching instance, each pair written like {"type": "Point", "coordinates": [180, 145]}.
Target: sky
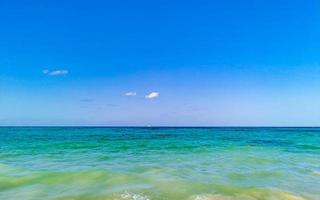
{"type": "Point", "coordinates": [160, 63]}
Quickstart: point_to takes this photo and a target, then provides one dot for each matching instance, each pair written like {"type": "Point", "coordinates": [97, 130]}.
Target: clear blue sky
{"type": "Point", "coordinates": [216, 63]}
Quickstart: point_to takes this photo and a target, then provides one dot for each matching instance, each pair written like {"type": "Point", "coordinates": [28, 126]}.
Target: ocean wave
{"type": "Point", "coordinates": [133, 196]}
{"type": "Point", "coordinates": [249, 194]}
{"type": "Point", "coordinates": [211, 197]}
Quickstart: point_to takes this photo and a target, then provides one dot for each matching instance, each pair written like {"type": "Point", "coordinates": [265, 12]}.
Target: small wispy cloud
{"type": "Point", "coordinates": [3, 119]}
{"type": "Point", "coordinates": [152, 95]}
{"type": "Point", "coordinates": [87, 100]}
{"type": "Point", "coordinates": [130, 94]}
{"type": "Point", "coordinates": [55, 72]}
{"type": "Point", "coordinates": [111, 105]}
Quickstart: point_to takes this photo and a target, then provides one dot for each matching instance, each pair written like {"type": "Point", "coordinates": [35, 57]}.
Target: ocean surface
{"type": "Point", "coordinates": [159, 163]}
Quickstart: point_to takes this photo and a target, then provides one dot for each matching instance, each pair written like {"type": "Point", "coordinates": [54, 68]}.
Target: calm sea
{"type": "Point", "coordinates": [159, 163]}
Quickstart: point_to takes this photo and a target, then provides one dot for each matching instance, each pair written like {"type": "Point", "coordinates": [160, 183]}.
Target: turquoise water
{"type": "Point", "coordinates": [160, 163]}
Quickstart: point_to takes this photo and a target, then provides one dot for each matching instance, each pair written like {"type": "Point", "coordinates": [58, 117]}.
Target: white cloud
{"type": "Point", "coordinates": [87, 100]}
{"type": "Point", "coordinates": [130, 94]}
{"type": "Point", "coordinates": [152, 95]}
{"type": "Point", "coordinates": [55, 72]}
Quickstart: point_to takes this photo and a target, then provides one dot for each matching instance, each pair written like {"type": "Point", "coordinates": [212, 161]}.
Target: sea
{"type": "Point", "coordinates": [159, 163]}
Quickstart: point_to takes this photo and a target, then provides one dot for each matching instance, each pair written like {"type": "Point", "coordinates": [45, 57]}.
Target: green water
{"type": "Point", "coordinates": [160, 163]}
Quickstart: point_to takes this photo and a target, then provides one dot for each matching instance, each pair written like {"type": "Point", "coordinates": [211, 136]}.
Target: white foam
{"type": "Point", "coordinates": [211, 197]}
{"type": "Point", "coordinates": [133, 196]}
{"type": "Point", "coordinates": [201, 197]}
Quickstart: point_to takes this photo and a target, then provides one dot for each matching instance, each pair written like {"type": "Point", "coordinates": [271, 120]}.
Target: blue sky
{"type": "Point", "coordinates": [168, 63]}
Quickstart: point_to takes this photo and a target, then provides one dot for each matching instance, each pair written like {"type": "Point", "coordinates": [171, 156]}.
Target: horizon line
{"type": "Point", "coordinates": [106, 126]}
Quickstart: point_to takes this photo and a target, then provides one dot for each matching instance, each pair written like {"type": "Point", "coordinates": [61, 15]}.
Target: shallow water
{"type": "Point", "coordinates": [160, 163]}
